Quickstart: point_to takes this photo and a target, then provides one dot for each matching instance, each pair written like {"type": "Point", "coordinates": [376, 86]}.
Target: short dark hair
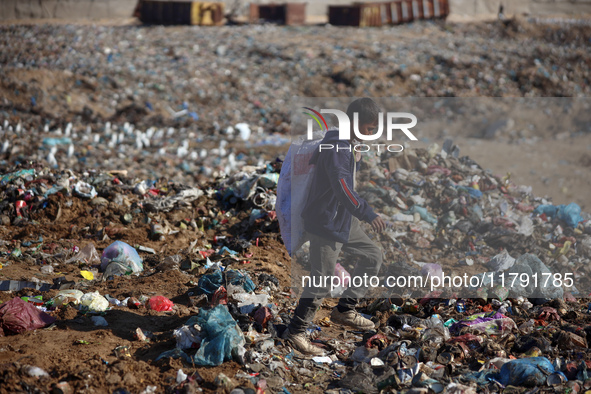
{"type": "Point", "coordinates": [367, 109]}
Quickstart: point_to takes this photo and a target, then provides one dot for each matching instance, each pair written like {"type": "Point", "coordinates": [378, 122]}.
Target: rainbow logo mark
{"type": "Point", "coordinates": [316, 118]}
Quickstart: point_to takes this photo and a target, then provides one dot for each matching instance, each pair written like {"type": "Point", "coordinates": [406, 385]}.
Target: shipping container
{"type": "Point", "coordinates": [181, 13]}
{"type": "Point", "coordinates": [386, 13]}
{"type": "Point", "coordinates": [428, 9]}
{"type": "Point", "coordinates": [358, 14]}
{"type": "Point", "coordinates": [291, 14]}
{"type": "Point", "coordinates": [417, 10]}
{"type": "Point", "coordinates": [395, 8]}
{"type": "Point", "coordinates": [404, 11]}
{"type": "Point", "coordinates": [440, 9]}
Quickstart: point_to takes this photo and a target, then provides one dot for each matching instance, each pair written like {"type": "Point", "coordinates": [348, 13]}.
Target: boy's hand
{"type": "Point", "coordinates": [378, 224]}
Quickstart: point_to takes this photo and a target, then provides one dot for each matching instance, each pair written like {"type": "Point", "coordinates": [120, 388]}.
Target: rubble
{"type": "Point", "coordinates": [131, 167]}
{"type": "Point", "coordinates": [422, 343]}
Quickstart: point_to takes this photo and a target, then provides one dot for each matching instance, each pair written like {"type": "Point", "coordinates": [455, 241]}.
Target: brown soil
{"type": "Point", "coordinates": [76, 351]}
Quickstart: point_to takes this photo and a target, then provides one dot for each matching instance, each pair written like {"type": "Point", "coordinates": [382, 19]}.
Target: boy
{"type": "Point", "coordinates": [332, 215]}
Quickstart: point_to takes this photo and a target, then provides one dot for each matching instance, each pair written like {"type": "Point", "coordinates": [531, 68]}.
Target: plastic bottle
{"type": "Point", "coordinates": [426, 216]}
{"type": "Point", "coordinates": [436, 331]}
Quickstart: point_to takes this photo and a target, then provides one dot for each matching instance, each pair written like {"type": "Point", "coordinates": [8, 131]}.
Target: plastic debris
{"type": "Point", "coordinates": [68, 296]}
{"type": "Point", "coordinates": [174, 354]}
{"type": "Point", "coordinates": [87, 275]}
{"type": "Point", "coordinates": [238, 278]}
{"type": "Point", "coordinates": [87, 255]}
{"type": "Point", "coordinates": [83, 189]}
{"type": "Point", "coordinates": [571, 213]}
{"type": "Point", "coordinates": [501, 262]}
{"type": "Point", "coordinates": [18, 316]}
{"type": "Point", "coordinates": [34, 372]}
{"type": "Point", "coordinates": [221, 336]}
{"type": "Point", "coordinates": [209, 283]}
{"type": "Point", "coordinates": [492, 323]}
{"type": "Point", "coordinates": [528, 372]}
{"type": "Point", "coordinates": [120, 259]}
{"type": "Point", "coordinates": [187, 337]}
{"type": "Point", "coordinates": [180, 376]}
{"type": "Point", "coordinates": [94, 302]}
{"type": "Point", "coordinates": [160, 304]}
{"type": "Point", "coordinates": [248, 302]}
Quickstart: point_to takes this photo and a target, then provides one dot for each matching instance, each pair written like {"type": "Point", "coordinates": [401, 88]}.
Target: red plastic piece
{"type": "Point", "coordinates": [18, 316]}
{"type": "Point", "coordinates": [160, 304]}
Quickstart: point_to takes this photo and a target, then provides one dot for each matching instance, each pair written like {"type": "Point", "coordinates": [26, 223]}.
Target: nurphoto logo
{"type": "Point", "coordinates": [344, 127]}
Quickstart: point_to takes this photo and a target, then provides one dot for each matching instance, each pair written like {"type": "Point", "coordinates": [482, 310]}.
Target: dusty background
{"type": "Point", "coordinates": [461, 10]}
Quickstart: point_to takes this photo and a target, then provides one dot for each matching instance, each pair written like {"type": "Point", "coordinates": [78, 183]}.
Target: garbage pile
{"type": "Point", "coordinates": [445, 211]}
{"type": "Point", "coordinates": [140, 248]}
{"type": "Point", "coordinates": [90, 238]}
{"type": "Point", "coordinates": [72, 241]}
{"type": "Point", "coordinates": [176, 154]}
{"type": "Point", "coordinates": [220, 77]}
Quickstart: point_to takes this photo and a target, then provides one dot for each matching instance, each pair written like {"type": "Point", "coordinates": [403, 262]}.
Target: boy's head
{"type": "Point", "coordinates": [368, 112]}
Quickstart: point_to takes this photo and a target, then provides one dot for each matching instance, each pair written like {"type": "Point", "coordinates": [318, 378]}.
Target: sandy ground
{"type": "Point", "coordinates": [556, 168]}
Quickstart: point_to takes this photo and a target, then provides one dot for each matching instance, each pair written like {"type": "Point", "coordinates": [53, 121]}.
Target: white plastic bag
{"type": "Point", "coordinates": [120, 258]}
{"type": "Point", "coordinates": [94, 301]}
{"type": "Point", "coordinates": [293, 189]}
{"type": "Point", "coordinates": [65, 296]}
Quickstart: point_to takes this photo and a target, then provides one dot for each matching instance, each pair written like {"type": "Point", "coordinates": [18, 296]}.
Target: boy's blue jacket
{"type": "Point", "coordinates": [332, 202]}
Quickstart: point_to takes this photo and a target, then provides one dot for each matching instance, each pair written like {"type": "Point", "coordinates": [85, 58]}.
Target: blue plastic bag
{"type": "Point", "coordinates": [548, 209]}
{"type": "Point", "coordinates": [120, 258]}
{"type": "Point", "coordinates": [570, 213]}
{"type": "Point", "coordinates": [529, 372]}
{"type": "Point", "coordinates": [209, 283]}
{"type": "Point", "coordinates": [237, 278]}
{"type": "Point", "coordinates": [221, 336]}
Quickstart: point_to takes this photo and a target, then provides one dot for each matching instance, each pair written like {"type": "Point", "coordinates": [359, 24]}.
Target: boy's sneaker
{"type": "Point", "coordinates": [302, 344]}
{"type": "Point", "coordinates": [352, 319]}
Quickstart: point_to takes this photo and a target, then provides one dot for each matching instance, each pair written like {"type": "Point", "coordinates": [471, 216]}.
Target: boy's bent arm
{"type": "Point", "coordinates": [341, 182]}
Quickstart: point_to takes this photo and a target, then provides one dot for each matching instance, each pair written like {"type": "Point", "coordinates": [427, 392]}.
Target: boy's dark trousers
{"type": "Point", "coordinates": [323, 258]}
